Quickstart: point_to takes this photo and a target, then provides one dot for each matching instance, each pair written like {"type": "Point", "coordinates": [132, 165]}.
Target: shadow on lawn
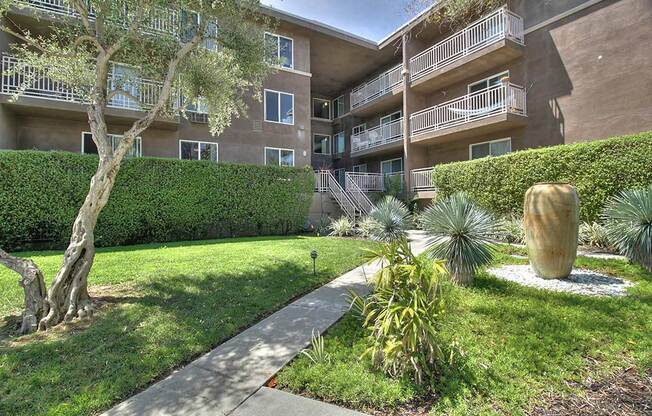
{"type": "Point", "coordinates": [141, 338]}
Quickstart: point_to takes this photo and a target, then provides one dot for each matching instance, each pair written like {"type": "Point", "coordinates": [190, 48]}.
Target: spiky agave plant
{"type": "Point", "coordinates": [628, 221]}
{"type": "Point", "coordinates": [459, 232]}
{"type": "Point", "coordinates": [392, 218]}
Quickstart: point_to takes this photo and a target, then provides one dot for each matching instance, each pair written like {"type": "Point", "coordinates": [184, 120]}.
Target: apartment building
{"type": "Point", "coordinates": [532, 73]}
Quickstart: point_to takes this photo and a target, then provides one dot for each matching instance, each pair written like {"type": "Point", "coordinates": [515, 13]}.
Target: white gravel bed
{"type": "Point", "coordinates": [582, 282]}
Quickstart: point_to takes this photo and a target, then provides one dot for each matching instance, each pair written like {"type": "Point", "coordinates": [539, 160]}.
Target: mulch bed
{"type": "Point", "coordinates": [625, 394]}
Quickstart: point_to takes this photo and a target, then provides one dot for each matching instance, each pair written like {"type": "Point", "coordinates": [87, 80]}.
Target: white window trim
{"type": "Point", "coordinates": [279, 107]}
{"type": "Point", "coordinates": [335, 146]}
{"type": "Point", "coordinates": [279, 155]}
{"type": "Point", "coordinates": [358, 167]}
{"type": "Point", "coordinates": [114, 135]}
{"type": "Point", "coordinates": [390, 161]}
{"type": "Point", "coordinates": [500, 74]}
{"type": "Point", "coordinates": [200, 142]}
{"type": "Point", "coordinates": [278, 51]}
{"type": "Point", "coordinates": [489, 142]}
{"type": "Point", "coordinates": [364, 128]}
{"type": "Point", "coordinates": [333, 106]}
{"type": "Point", "coordinates": [330, 109]}
{"type": "Point", "coordinates": [330, 140]}
{"type": "Point", "coordinates": [399, 112]}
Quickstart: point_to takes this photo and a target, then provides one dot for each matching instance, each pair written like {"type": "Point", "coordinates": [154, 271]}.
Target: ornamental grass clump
{"type": "Point", "coordinates": [393, 220]}
{"type": "Point", "coordinates": [461, 233]}
{"type": "Point", "coordinates": [403, 313]}
{"type": "Point", "coordinates": [341, 227]}
{"type": "Point", "coordinates": [367, 226]}
{"type": "Point", "coordinates": [593, 234]}
{"type": "Point", "coordinates": [628, 221]}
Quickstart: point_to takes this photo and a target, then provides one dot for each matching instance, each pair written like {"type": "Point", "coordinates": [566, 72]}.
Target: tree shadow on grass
{"type": "Point", "coordinates": [142, 338]}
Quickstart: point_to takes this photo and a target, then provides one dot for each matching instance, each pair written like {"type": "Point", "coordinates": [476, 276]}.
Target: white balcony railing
{"type": "Point", "coordinates": [377, 87]}
{"type": "Point", "coordinates": [378, 136]}
{"type": "Point", "coordinates": [421, 180]}
{"type": "Point", "coordinates": [500, 99]}
{"type": "Point", "coordinates": [499, 25]}
{"type": "Point", "coordinates": [160, 21]}
{"type": "Point", "coordinates": [367, 182]}
{"type": "Point", "coordinates": [19, 78]}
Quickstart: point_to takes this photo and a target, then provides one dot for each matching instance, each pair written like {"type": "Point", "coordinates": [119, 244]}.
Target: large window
{"type": "Point", "coordinates": [361, 168]}
{"type": "Point", "coordinates": [197, 150]}
{"type": "Point", "coordinates": [321, 144]}
{"type": "Point", "coordinates": [390, 118]}
{"type": "Point", "coordinates": [279, 157]}
{"type": "Point", "coordinates": [392, 166]}
{"type": "Point", "coordinates": [281, 49]}
{"type": "Point", "coordinates": [279, 107]}
{"type": "Point", "coordinates": [340, 175]}
{"type": "Point", "coordinates": [338, 107]}
{"type": "Point", "coordinates": [125, 78]}
{"type": "Point", "coordinates": [492, 148]}
{"type": "Point", "coordinates": [492, 81]}
{"type": "Point", "coordinates": [321, 108]}
{"type": "Point", "coordinates": [359, 129]}
{"type": "Point", "coordinates": [89, 147]}
{"type": "Point", "coordinates": [339, 143]}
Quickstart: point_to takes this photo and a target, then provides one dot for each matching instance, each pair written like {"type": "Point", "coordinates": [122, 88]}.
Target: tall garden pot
{"type": "Point", "coordinates": [551, 220]}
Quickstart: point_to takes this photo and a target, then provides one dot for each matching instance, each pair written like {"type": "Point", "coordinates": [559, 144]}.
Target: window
{"type": "Point", "coordinates": [359, 129]}
{"type": "Point", "coordinates": [391, 118]}
{"type": "Point", "coordinates": [389, 167]}
{"type": "Point", "coordinates": [492, 148]}
{"type": "Point", "coordinates": [338, 107]}
{"type": "Point", "coordinates": [89, 147]}
{"type": "Point", "coordinates": [125, 78]}
{"type": "Point", "coordinates": [361, 168]}
{"type": "Point", "coordinates": [340, 175]}
{"type": "Point", "coordinates": [279, 107]}
{"type": "Point", "coordinates": [321, 108]}
{"type": "Point", "coordinates": [492, 81]}
{"type": "Point", "coordinates": [339, 143]}
{"type": "Point", "coordinates": [279, 157]}
{"type": "Point", "coordinates": [281, 50]}
{"type": "Point", "coordinates": [321, 144]}
{"type": "Point", "coordinates": [196, 150]}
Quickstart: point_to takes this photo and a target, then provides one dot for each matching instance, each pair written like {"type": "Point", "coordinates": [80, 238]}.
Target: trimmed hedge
{"type": "Point", "coordinates": [598, 169]}
{"type": "Point", "coordinates": [154, 200]}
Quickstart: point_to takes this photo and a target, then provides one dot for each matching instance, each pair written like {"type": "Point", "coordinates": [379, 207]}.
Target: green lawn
{"type": "Point", "coordinates": [519, 345]}
{"type": "Point", "coordinates": [165, 304]}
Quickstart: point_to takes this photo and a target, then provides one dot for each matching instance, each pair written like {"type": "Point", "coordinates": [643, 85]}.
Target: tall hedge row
{"type": "Point", "coordinates": [153, 199]}
{"type": "Point", "coordinates": [598, 169]}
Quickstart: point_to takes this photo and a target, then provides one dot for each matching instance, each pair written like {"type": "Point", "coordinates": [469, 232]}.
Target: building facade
{"type": "Point", "coordinates": [529, 74]}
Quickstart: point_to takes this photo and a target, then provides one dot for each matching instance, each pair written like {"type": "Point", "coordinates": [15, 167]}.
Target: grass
{"type": "Point", "coordinates": [166, 304]}
{"type": "Point", "coordinates": [519, 346]}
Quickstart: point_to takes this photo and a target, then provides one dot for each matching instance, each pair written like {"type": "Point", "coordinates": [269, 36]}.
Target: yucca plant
{"type": "Point", "coordinates": [341, 227]}
{"type": "Point", "coordinates": [593, 234]}
{"type": "Point", "coordinates": [628, 221]}
{"type": "Point", "coordinates": [367, 226]}
{"type": "Point", "coordinates": [403, 313]}
{"type": "Point", "coordinates": [459, 232]}
{"type": "Point", "coordinates": [317, 353]}
{"type": "Point", "coordinates": [392, 218]}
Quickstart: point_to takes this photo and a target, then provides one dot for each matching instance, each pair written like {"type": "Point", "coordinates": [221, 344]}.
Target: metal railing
{"type": "Point", "coordinates": [160, 20]}
{"type": "Point", "coordinates": [500, 99]}
{"type": "Point", "coordinates": [377, 87]}
{"type": "Point", "coordinates": [358, 195]}
{"type": "Point", "coordinates": [326, 182]}
{"type": "Point", "coordinates": [22, 79]}
{"type": "Point", "coordinates": [421, 179]}
{"type": "Point", "coordinates": [498, 25]}
{"type": "Point", "coordinates": [378, 136]}
{"type": "Point", "coordinates": [367, 182]}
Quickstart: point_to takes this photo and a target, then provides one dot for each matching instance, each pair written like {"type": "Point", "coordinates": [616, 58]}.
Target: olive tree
{"type": "Point", "coordinates": [454, 14]}
{"type": "Point", "coordinates": [198, 52]}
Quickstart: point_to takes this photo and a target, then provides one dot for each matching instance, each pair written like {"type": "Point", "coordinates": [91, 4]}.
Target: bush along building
{"type": "Point", "coordinates": [366, 115]}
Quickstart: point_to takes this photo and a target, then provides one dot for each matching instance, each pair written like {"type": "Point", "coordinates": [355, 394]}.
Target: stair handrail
{"type": "Point", "coordinates": [358, 196]}
{"type": "Point", "coordinates": [339, 194]}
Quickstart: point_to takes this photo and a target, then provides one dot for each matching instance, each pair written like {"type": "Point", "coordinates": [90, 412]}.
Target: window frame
{"type": "Point", "coordinates": [364, 128]}
{"type": "Point", "coordinates": [280, 159]}
{"type": "Point", "coordinates": [333, 138]}
{"type": "Point", "coordinates": [330, 144]}
{"type": "Point", "coordinates": [111, 135]}
{"type": "Point", "coordinates": [489, 142]}
{"type": "Point", "coordinates": [278, 48]}
{"type": "Point", "coordinates": [389, 116]}
{"type": "Point", "coordinates": [358, 167]}
{"type": "Point", "coordinates": [330, 109]}
{"type": "Point", "coordinates": [500, 74]}
{"type": "Point", "coordinates": [390, 161]}
{"type": "Point", "coordinates": [279, 107]}
{"type": "Point", "coordinates": [200, 142]}
{"type": "Point", "coordinates": [334, 106]}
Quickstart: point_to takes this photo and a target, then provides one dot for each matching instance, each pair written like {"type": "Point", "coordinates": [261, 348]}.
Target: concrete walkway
{"type": "Point", "coordinates": [218, 382]}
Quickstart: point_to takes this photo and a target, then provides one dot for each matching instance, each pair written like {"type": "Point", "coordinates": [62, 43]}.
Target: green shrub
{"type": "Point", "coordinates": [153, 199]}
{"type": "Point", "coordinates": [510, 230]}
{"type": "Point", "coordinates": [341, 227]}
{"type": "Point", "coordinates": [598, 169]}
{"type": "Point", "coordinates": [403, 313]}
{"type": "Point", "coordinates": [593, 234]}
{"type": "Point", "coordinates": [367, 226]}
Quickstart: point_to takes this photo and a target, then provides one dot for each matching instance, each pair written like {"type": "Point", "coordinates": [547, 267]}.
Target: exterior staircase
{"type": "Point", "coordinates": [353, 201]}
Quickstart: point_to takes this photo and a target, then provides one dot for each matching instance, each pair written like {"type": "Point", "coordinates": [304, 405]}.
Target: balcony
{"type": "Point", "coordinates": [494, 109]}
{"type": "Point", "coordinates": [422, 184]}
{"type": "Point", "coordinates": [161, 20]}
{"type": "Point", "coordinates": [379, 139]}
{"type": "Point", "coordinates": [381, 93]}
{"type": "Point", "coordinates": [493, 40]}
{"type": "Point", "coordinates": [375, 182]}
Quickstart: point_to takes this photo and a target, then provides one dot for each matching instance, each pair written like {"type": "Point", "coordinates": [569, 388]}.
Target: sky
{"type": "Point", "coordinates": [371, 19]}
